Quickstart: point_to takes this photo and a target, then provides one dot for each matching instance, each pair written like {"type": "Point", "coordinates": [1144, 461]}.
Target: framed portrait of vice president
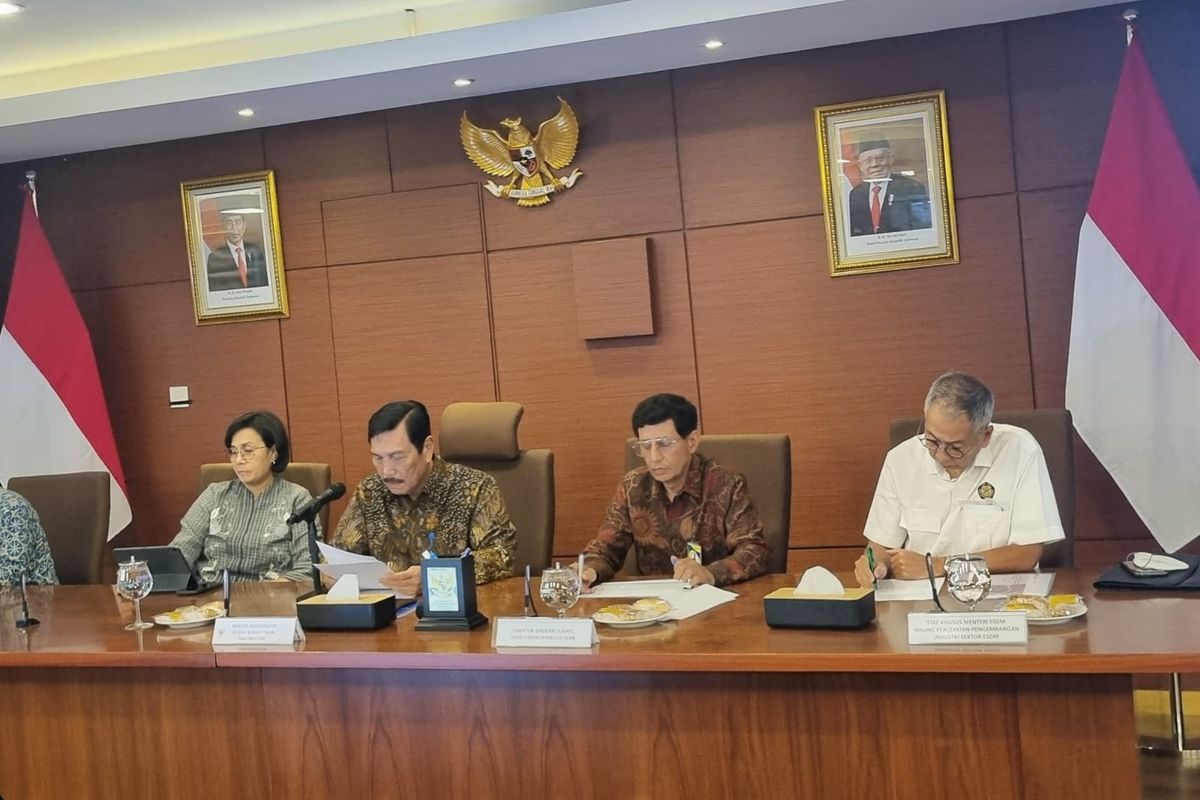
{"type": "Point", "coordinates": [234, 250]}
{"type": "Point", "coordinates": [886, 184]}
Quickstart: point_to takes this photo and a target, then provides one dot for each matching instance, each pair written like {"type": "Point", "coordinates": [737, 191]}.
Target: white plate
{"type": "Point", "coordinates": [1057, 620]}
{"type": "Point", "coordinates": [604, 619]}
{"type": "Point", "coordinates": [166, 622]}
{"type": "Point", "coordinates": [641, 622]}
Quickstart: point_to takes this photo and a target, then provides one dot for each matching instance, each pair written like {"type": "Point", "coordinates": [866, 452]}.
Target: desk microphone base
{"type": "Point", "coordinates": [28, 622]}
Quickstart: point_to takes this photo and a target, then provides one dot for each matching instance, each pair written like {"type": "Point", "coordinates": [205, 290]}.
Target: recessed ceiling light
{"type": "Point", "coordinates": [246, 112]}
{"type": "Point", "coordinates": [10, 8]}
{"type": "Point", "coordinates": [461, 82]}
{"type": "Point", "coordinates": [714, 44]}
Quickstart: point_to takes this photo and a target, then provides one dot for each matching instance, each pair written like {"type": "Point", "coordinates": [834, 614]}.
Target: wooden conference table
{"type": "Point", "coordinates": [718, 706]}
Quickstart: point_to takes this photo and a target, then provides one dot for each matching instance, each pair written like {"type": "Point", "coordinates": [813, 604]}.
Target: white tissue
{"type": "Point", "coordinates": [346, 588]}
{"type": "Point", "coordinates": [818, 580]}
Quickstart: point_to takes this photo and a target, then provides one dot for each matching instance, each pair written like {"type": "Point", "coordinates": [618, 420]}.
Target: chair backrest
{"type": "Point", "coordinates": [73, 508]}
{"type": "Point", "coordinates": [765, 461]}
{"type": "Point", "coordinates": [311, 475]}
{"type": "Point", "coordinates": [484, 436]}
{"type": "Point", "coordinates": [1054, 431]}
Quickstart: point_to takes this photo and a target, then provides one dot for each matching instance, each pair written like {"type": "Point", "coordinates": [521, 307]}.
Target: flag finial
{"type": "Point", "coordinates": [31, 182]}
{"type": "Point", "coordinates": [1130, 16]}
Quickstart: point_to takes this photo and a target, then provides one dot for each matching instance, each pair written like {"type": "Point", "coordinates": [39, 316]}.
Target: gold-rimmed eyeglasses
{"type": "Point", "coordinates": [245, 453]}
{"type": "Point", "coordinates": [643, 446]}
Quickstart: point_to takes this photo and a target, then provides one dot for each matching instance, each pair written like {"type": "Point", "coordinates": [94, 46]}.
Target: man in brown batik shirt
{"type": "Point", "coordinates": [678, 498]}
{"type": "Point", "coordinates": [414, 493]}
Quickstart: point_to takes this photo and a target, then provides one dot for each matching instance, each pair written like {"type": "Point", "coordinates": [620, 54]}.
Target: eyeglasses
{"type": "Point", "coordinates": [955, 451]}
{"type": "Point", "coordinates": [644, 446]}
{"type": "Point", "coordinates": [245, 453]}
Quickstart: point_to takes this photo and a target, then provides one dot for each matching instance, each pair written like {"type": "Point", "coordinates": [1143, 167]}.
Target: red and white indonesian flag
{"type": "Point", "coordinates": [1133, 375]}
{"type": "Point", "coordinates": [53, 418]}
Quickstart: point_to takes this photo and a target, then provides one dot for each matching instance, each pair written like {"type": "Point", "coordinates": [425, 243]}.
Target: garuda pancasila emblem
{"type": "Point", "coordinates": [524, 157]}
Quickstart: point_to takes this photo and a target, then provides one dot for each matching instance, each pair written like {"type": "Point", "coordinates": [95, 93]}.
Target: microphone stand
{"type": "Point", "coordinates": [26, 621]}
{"type": "Point", "coordinates": [313, 552]}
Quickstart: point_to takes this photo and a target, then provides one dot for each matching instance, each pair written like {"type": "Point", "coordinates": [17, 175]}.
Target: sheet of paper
{"type": "Point", "coordinates": [894, 589]}
{"type": "Point", "coordinates": [340, 562]}
{"type": "Point", "coordinates": [1038, 583]}
{"type": "Point", "coordinates": [690, 602]}
{"type": "Point", "coordinates": [656, 587]}
{"type": "Point", "coordinates": [335, 555]}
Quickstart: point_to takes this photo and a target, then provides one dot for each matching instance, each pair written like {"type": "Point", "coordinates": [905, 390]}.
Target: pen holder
{"type": "Point", "coordinates": [448, 595]}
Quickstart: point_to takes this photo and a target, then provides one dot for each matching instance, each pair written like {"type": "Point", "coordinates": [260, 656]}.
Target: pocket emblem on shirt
{"type": "Point", "coordinates": [986, 491]}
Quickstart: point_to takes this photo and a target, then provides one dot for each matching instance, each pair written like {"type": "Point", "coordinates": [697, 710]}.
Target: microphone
{"type": "Point", "coordinates": [309, 510]}
{"type": "Point", "coordinates": [25, 621]}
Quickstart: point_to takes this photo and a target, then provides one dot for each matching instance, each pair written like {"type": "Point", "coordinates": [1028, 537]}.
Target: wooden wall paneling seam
{"type": "Point", "coordinates": [487, 288]}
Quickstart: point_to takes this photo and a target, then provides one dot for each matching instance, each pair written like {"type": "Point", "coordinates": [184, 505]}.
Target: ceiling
{"type": "Point", "coordinates": [79, 75]}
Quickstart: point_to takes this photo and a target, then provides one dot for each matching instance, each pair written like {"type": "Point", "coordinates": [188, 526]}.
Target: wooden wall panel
{"type": "Point", "coordinates": [747, 141]}
{"type": "Point", "coordinates": [310, 375]}
{"type": "Point", "coordinates": [630, 182]}
{"type": "Point", "coordinates": [326, 159]}
{"type": "Point", "coordinates": [417, 224]}
{"type": "Point", "coordinates": [146, 340]}
{"type": "Point", "coordinates": [115, 217]}
{"type": "Point", "coordinates": [783, 348]}
{"type": "Point", "coordinates": [579, 395]}
{"type": "Point", "coordinates": [415, 329]}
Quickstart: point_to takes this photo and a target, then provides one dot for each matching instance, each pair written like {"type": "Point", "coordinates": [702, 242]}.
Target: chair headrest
{"type": "Point", "coordinates": [486, 431]}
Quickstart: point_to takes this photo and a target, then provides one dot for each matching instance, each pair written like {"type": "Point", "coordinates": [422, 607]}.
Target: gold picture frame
{"type": "Point", "coordinates": [886, 184]}
{"type": "Point", "coordinates": [234, 249]}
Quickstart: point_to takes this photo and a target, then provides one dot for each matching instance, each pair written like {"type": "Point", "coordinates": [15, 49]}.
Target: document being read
{"type": "Point", "coordinates": [339, 562]}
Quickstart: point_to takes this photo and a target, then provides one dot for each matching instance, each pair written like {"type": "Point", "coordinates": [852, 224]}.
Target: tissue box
{"type": "Point", "coordinates": [372, 610]}
{"type": "Point", "coordinates": [785, 609]}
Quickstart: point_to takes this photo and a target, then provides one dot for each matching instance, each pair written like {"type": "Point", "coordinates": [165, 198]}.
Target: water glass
{"type": "Point", "coordinates": [134, 582]}
{"type": "Point", "coordinates": [968, 578]}
{"type": "Point", "coordinates": [560, 589]}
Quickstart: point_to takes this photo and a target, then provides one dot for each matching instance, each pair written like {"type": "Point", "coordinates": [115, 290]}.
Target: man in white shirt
{"type": "Point", "coordinates": [960, 485]}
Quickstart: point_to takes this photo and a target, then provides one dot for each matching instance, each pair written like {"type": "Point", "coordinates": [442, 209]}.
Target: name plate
{"type": "Point", "coordinates": [257, 630]}
{"type": "Point", "coordinates": [544, 632]}
{"type": "Point", "coordinates": [987, 627]}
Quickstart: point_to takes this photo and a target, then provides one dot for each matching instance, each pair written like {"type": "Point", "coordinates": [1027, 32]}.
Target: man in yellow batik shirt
{"type": "Point", "coordinates": [414, 493]}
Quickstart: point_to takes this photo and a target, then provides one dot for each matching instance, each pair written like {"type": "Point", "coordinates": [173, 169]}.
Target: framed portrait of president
{"type": "Point", "coordinates": [234, 251]}
{"type": "Point", "coordinates": [886, 184]}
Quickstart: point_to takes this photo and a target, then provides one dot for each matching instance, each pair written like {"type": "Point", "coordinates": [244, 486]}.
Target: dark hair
{"type": "Point", "coordinates": [662, 407]}
{"type": "Point", "coordinates": [412, 413]}
{"type": "Point", "coordinates": [272, 431]}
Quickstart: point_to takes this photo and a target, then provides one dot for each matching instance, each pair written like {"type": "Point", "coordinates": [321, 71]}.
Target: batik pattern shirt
{"type": "Point", "coordinates": [461, 506]}
{"type": "Point", "coordinates": [23, 546]}
{"type": "Point", "coordinates": [229, 528]}
{"type": "Point", "coordinates": [713, 509]}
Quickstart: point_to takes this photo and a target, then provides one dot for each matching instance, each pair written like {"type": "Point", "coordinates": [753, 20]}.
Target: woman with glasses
{"type": "Point", "coordinates": [241, 524]}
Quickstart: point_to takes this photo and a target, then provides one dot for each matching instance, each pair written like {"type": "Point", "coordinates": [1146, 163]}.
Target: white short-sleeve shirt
{"type": "Point", "coordinates": [1004, 498]}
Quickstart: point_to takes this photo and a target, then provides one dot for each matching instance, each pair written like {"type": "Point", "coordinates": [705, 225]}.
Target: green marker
{"type": "Point", "coordinates": [871, 563]}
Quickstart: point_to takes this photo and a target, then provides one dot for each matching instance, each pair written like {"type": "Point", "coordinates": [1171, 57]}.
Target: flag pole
{"type": "Point", "coordinates": [31, 181]}
{"type": "Point", "coordinates": [1130, 16]}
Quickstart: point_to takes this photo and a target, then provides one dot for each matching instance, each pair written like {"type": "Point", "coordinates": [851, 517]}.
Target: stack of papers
{"type": "Point", "coordinates": [339, 562]}
{"type": "Point", "coordinates": [685, 602]}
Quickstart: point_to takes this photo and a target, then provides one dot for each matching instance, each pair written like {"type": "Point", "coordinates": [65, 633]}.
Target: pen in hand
{"type": "Point", "coordinates": [871, 565]}
{"type": "Point", "coordinates": [675, 562]}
